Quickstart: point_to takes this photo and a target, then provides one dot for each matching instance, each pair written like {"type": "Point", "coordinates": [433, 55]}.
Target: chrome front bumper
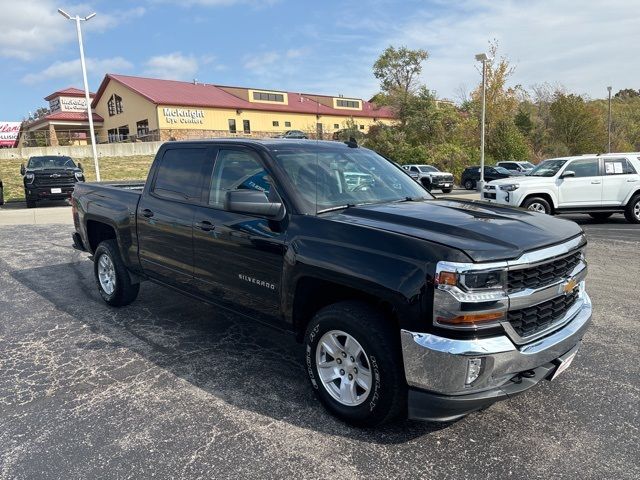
{"type": "Point", "coordinates": [438, 364]}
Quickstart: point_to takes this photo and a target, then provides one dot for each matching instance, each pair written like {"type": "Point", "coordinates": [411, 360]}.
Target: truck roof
{"type": "Point", "coordinates": [269, 143]}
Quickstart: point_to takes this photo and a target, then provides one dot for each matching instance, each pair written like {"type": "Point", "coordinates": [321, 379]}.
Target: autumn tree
{"type": "Point", "coordinates": [576, 124]}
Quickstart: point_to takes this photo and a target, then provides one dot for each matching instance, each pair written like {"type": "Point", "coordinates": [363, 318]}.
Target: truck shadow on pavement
{"type": "Point", "coordinates": [243, 363]}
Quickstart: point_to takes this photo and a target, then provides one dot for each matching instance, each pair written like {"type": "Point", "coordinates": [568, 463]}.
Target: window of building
{"type": "Point", "coordinates": [585, 168]}
{"type": "Point", "coordinates": [236, 170]}
{"type": "Point", "coordinates": [119, 134]}
{"type": "Point", "coordinates": [179, 175]}
{"type": "Point", "coordinates": [268, 97]}
{"type": "Point", "coordinates": [348, 103]}
{"type": "Point", "coordinates": [618, 166]}
{"type": "Point", "coordinates": [287, 124]}
{"type": "Point", "coordinates": [336, 126]}
{"type": "Point", "coordinates": [232, 125]}
{"type": "Point", "coordinates": [361, 127]}
{"type": "Point", "coordinates": [246, 126]}
{"type": "Point", "coordinates": [142, 128]}
{"type": "Point", "coordinates": [114, 105]}
{"type": "Point", "coordinates": [276, 123]}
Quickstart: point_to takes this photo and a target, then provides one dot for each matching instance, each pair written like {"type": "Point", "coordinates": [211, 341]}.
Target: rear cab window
{"type": "Point", "coordinates": [180, 173]}
{"type": "Point", "coordinates": [618, 166]}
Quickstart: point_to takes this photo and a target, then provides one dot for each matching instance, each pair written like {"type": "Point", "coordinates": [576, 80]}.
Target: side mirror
{"type": "Point", "coordinates": [252, 202]}
{"type": "Point", "coordinates": [22, 169]}
{"type": "Point", "coordinates": [568, 173]}
{"type": "Point", "coordinates": [80, 167]}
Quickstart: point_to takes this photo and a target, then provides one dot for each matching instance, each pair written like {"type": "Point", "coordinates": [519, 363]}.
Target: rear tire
{"type": "Point", "coordinates": [600, 216]}
{"type": "Point", "coordinates": [112, 277]}
{"type": "Point", "coordinates": [339, 382]}
{"type": "Point", "coordinates": [632, 210]}
{"type": "Point", "coordinates": [31, 203]}
{"type": "Point", "coordinates": [470, 185]}
{"type": "Point", "coordinates": [537, 204]}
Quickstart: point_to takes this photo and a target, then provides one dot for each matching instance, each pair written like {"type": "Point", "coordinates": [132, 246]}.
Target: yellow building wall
{"type": "Point", "coordinates": [135, 108]}
{"type": "Point", "coordinates": [192, 118]}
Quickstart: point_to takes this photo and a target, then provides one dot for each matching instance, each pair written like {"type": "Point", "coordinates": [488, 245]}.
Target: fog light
{"type": "Point", "coordinates": [474, 369]}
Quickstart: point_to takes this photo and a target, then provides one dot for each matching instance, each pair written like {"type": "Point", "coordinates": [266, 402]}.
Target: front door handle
{"type": "Point", "coordinates": [595, 182]}
{"type": "Point", "coordinates": [205, 226]}
{"type": "Point", "coordinates": [147, 213]}
{"type": "Point", "coordinates": [632, 180]}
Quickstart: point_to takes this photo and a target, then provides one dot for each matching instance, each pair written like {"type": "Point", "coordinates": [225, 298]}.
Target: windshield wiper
{"type": "Point", "coordinates": [338, 207]}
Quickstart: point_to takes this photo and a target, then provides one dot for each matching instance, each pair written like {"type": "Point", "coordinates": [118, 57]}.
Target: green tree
{"type": "Point", "coordinates": [576, 124]}
{"type": "Point", "coordinates": [398, 69]}
{"type": "Point", "coordinates": [507, 142]}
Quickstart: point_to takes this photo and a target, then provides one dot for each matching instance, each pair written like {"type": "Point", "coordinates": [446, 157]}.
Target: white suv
{"type": "Point", "coordinates": [599, 185]}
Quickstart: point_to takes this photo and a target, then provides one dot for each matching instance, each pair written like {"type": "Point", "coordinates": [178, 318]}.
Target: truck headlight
{"type": "Point", "coordinates": [79, 176]}
{"type": "Point", "coordinates": [510, 188]}
{"type": "Point", "coordinates": [29, 177]}
{"type": "Point", "coordinates": [469, 296]}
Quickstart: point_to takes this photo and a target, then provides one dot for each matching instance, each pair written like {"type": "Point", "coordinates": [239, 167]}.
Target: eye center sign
{"type": "Point", "coordinates": [183, 115]}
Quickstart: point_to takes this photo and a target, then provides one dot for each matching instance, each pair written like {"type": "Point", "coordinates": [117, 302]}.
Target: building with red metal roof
{"type": "Point", "coordinates": [138, 108]}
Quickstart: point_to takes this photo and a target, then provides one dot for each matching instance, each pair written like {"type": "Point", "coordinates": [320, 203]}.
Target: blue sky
{"type": "Point", "coordinates": [321, 47]}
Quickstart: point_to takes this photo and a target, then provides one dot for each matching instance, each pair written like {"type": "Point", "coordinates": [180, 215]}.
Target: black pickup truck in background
{"type": "Point", "coordinates": [406, 305]}
{"type": "Point", "coordinates": [50, 177]}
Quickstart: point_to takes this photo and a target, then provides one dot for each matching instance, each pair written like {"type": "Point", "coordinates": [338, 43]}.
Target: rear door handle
{"type": "Point", "coordinates": [147, 213]}
{"type": "Point", "coordinates": [595, 182]}
{"type": "Point", "coordinates": [632, 180]}
{"type": "Point", "coordinates": [205, 226]}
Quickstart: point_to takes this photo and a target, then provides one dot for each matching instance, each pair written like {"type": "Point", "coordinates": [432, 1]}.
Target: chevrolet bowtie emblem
{"type": "Point", "coordinates": [569, 286]}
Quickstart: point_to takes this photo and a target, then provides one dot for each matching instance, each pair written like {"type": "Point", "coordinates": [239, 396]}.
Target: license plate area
{"type": "Point", "coordinates": [56, 190]}
{"type": "Point", "coordinates": [563, 363]}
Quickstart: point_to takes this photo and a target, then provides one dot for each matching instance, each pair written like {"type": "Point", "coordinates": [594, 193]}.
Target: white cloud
{"type": "Point", "coordinates": [70, 72]}
{"type": "Point", "coordinates": [172, 66]}
{"type": "Point", "coordinates": [260, 62]}
{"type": "Point", "coordinates": [34, 28]}
{"type": "Point", "coordinates": [585, 45]}
{"type": "Point", "coordinates": [220, 3]}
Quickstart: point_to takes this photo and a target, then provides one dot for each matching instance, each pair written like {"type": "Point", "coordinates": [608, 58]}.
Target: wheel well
{"type": "Point", "coordinates": [98, 232]}
{"type": "Point", "coordinates": [633, 195]}
{"type": "Point", "coordinates": [546, 196]}
{"type": "Point", "coordinates": [312, 294]}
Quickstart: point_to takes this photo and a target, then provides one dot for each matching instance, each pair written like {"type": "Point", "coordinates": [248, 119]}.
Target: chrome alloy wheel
{"type": "Point", "coordinates": [344, 368]}
{"type": "Point", "coordinates": [106, 274]}
{"type": "Point", "coordinates": [636, 210]}
{"type": "Point", "coordinates": [537, 207]}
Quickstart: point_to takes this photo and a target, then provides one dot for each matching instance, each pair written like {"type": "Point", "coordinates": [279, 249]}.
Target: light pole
{"type": "Point", "coordinates": [482, 57]}
{"type": "Point", "coordinates": [609, 120]}
{"type": "Point", "coordinates": [87, 97]}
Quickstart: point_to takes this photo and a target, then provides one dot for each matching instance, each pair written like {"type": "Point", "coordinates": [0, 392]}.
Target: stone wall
{"type": "Point", "coordinates": [84, 151]}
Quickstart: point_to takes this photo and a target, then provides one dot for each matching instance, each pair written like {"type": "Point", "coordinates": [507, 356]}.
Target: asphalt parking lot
{"type": "Point", "coordinates": [169, 387]}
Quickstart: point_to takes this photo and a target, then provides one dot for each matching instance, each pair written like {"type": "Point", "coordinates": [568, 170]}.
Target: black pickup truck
{"type": "Point", "coordinates": [406, 304]}
{"type": "Point", "coordinates": [49, 177]}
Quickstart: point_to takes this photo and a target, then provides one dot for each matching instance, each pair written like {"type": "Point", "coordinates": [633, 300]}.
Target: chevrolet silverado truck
{"type": "Point", "coordinates": [406, 305]}
{"type": "Point", "coordinates": [599, 185]}
{"type": "Point", "coordinates": [49, 177]}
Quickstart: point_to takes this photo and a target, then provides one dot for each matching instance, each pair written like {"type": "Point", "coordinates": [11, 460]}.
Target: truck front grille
{"type": "Point", "coordinates": [48, 181]}
{"type": "Point", "coordinates": [542, 275]}
{"type": "Point", "coordinates": [530, 320]}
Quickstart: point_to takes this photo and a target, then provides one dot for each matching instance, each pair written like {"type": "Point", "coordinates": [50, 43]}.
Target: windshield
{"type": "Point", "coordinates": [548, 168]}
{"type": "Point", "coordinates": [502, 170]}
{"type": "Point", "coordinates": [328, 179]}
{"type": "Point", "coordinates": [428, 168]}
{"type": "Point", "coordinates": [41, 163]}
{"type": "Point", "coordinates": [527, 165]}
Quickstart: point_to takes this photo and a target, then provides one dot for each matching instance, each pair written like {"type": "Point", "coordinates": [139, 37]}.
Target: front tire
{"type": "Point", "coordinates": [355, 365]}
{"type": "Point", "coordinates": [446, 190]}
{"type": "Point", "coordinates": [112, 277]}
{"type": "Point", "coordinates": [537, 204]}
{"type": "Point", "coordinates": [470, 185]}
{"type": "Point", "coordinates": [632, 210]}
{"type": "Point", "coordinates": [426, 184]}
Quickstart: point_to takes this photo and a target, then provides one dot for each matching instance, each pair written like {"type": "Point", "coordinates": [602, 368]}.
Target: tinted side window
{"type": "Point", "coordinates": [180, 174]}
{"type": "Point", "coordinates": [414, 169]}
{"type": "Point", "coordinates": [585, 168]}
{"type": "Point", "coordinates": [236, 170]}
{"type": "Point", "coordinates": [618, 166]}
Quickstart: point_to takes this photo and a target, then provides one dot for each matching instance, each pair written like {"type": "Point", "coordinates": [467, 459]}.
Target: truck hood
{"type": "Point", "coordinates": [484, 232]}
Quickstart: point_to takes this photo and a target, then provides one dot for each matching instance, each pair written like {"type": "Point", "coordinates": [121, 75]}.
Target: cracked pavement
{"type": "Point", "coordinates": [173, 388]}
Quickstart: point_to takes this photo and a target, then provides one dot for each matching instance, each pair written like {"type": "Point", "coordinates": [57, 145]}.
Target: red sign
{"type": "Point", "coordinates": [9, 134]}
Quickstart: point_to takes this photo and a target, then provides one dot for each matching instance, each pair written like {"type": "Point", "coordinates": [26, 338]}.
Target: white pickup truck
{"type": "Point", "coordinates": [599, 185]}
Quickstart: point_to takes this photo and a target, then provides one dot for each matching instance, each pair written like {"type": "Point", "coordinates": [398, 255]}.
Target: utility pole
{"type": "Point", "coordinates": [87, 97]}
{"type": "Point", "coordinates": [482, 57]}
{"type": "Point", "coordinates": [609, 120]}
